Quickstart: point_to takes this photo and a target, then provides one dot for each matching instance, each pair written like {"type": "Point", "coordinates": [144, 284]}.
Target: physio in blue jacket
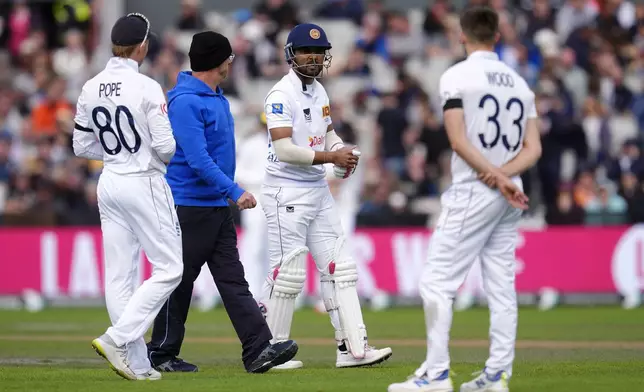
{"type": "Point", "coordinates": [201, 176]}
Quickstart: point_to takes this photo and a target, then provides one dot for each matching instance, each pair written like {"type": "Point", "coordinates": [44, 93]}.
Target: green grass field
{"type": "Point", "coordinates": [567, 349]}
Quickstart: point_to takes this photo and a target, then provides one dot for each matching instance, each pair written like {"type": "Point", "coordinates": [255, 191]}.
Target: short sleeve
{"type": "Point", "coordinates": [278, 111]}
{"type": "Point", "coordinates": [451, 92]}
{"type": "Point", "coordinates": [81, 121]}
{"type": "Point", "coordinates": [532, 107]}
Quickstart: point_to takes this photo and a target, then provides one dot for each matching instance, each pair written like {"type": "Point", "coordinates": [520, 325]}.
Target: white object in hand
{"type": "Point", "coordinates": [341, 172]}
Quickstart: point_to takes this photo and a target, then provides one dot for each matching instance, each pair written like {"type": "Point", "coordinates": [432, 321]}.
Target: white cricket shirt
{"type": "Point", "coordinates": [305, 108]}
{"type": "Point", "coordinates": [122, 119]}
{"type": "Point", "coordinates": [496, 102]}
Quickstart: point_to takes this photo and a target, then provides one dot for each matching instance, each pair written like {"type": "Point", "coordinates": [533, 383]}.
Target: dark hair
{"type": "Point", "coordinates": [480, 24]}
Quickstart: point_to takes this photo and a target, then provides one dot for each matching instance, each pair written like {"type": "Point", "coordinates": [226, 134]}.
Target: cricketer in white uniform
{"type": "Point", "coordinates": [490, 118]}
{"type": "Point", "coordinates": [299, 208]}
{"type": "Point", "coordinates": [121, 119]}
{"type": "Point", "coordinates": [253, 249]}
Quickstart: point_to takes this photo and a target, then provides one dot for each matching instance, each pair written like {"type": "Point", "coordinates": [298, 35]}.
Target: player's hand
{"type": "Point", "coordinates": [345, 157]}
{"type": "Point", "coordinates": [512, 193]}
{"type": "Point", "coordinates": [246, 201]}
{"type": "Point", "coordinates": [488, 179]}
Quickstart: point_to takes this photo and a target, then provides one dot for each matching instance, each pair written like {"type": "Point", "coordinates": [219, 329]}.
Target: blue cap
{"type": "Point", "coordinates": [307, 35]}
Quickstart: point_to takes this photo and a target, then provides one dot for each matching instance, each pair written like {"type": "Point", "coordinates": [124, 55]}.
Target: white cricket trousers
{"type": "Point", "coordinates": [474, 221]}
{"type": "Point", "coordinates": [299, 217]}
{"type": "Point", "coordinates": [253, 248]}
{"type": "Point", "coordinates": [137, 212]}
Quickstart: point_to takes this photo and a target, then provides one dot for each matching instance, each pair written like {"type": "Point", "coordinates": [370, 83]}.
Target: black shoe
{"type": "Point", "coordinates": [177, 365]}
{"type": "Point", "coordinates": [273, 355]}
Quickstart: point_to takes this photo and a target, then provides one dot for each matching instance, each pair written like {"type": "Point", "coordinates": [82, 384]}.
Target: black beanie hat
{"type": "Point", "coordinates": [208, 50]}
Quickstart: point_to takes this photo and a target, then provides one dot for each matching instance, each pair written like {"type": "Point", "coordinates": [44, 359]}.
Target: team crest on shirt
{"type": "Point", "coordinates": [326, 111]}
{"type": "Point", "coordinates": [307, 114]}
{"type": "Point", "coordinates": [277, 108]}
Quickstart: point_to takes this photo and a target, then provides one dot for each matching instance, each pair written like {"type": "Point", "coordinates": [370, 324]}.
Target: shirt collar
{"type": "Point", "coordinates": [297, 82]}
{"type": "Point", "coordinates": [483, 54]}
{"type": "Point", "coordinates": [120, 62]}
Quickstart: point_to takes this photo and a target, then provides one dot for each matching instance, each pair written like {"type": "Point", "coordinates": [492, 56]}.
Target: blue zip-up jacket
{"type": "Point", "coordinates": [202, 170]}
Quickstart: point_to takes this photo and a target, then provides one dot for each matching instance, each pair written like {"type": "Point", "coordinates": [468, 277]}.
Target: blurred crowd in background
{"type": "Point", "coordinates": [584, 60]}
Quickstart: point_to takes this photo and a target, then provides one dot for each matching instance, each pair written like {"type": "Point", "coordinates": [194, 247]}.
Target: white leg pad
{"type": "Point", "coordinates": [344, 275]}
{"type": "Point", "coordinates": [327, 289]}
{"type": "Point", "coordinates": [287, 281]}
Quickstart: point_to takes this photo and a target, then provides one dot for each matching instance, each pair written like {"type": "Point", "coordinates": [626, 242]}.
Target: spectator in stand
{"type": "Point", "coordinates": [71, 63]}
{"type": "Point", "coordinates": [20, 21]}
{"type": "Point", "coordinates": [402, 41]}
{"type": "Point", "coordinates": [573, 15]}
{"type": "Point", "coordinates": [629, 160]}
{"type": "Point", "coordinates": [372, 39]}
{"type": "Point", "coordinates": [282, 14]}
{"type": "Point", "coordinates": [565, 212]}
{"type": "Point", "coordinates": [632, 190]}
{"type": "Point", "coordinates": [356, 65]}
{"type": "Point", "coordinates": [392, 125]}
{"type": "Point", "coordinates": [540, 17]}
{"type": "Point", "coordinates": [341, 9]}
{"type": "Point", "coordinates": [606, 208]}
{"type": "Point", "coordinates": [191, 17]}
{"type": "Point", "coordinates": [585, 188]}
{"type": "Point", "coordinates": [434, 18]}
{"type": "Point", "coordinates": [6, 166]}
{"type": "Point", "coordinates": [45, 114]}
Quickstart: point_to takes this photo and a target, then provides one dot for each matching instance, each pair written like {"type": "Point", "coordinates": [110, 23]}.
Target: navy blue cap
{"type": "Point", "coordinates": [131, 29]}
{"type": "Point", "coordinates": [307, 35]}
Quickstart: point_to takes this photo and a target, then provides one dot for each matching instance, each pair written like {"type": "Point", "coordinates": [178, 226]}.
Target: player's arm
{"type": "Point", "coordinates": [84, 141]}
{"type": "Point", "coordinates": [531, 150]}
{"type": "Point", "coordinates": [279, 120]}
{"type": "Point", "coordinates": [454, 119]}
{"type": "Point", "coordinates": [188, 126]}
{"type": "Point", "coordinates": [163, 142]}
{"type": "Point", "coordinates": [455, 127]}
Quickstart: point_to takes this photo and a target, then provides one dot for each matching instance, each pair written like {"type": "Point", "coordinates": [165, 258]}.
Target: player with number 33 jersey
{"type": "Point", "coordinates": [121, 119]}
{"type": "Point", "coordinates": [491, 122]}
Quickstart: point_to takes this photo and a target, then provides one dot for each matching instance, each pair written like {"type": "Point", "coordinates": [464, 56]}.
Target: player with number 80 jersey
{"type": "Point", "coordinates": [121, 119]}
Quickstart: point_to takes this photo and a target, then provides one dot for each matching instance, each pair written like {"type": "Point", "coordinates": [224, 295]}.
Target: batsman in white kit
{"type": "Point", "coordinates": [121, 119]}
{"type": "Point", "coordinates": [299, 208]}
{"type": "Point", "coordinates": [491, 122]}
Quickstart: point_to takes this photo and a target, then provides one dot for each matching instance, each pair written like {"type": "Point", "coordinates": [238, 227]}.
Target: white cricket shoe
{"type": "Point", "coordinates": [114, 355]}
{"type": "Point", "coordinates": [442, 383]}
{"type": "Point", "coordinates": [151, 375]}
{"type": "Point", "coordinates": [290, 365]}
{"type": "Point", "coordinates": [372, 356]}
{"type": "Point", "coordinates": [487, 383]}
